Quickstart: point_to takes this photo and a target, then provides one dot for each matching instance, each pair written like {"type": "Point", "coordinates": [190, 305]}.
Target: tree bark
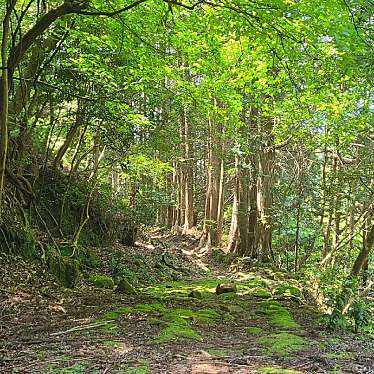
{"type": "Point", "coordinates": [188, 176]}
{"type": "Point", "coordinates": [364, 253]}
{"type": "Point", "coordinates": [4, 98]}
{"type": "Point", "coordinates": [213, 220]}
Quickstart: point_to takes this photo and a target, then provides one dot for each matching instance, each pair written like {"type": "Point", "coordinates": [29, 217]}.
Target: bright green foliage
{"type": "Point", "coordinates": [282, 344]}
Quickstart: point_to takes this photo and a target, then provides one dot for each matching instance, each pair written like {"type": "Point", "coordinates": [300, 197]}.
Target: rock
{"type": "Point", "coordinates": [225, 288]}
{"type": "Point", "coordinates": [124, 287]}
{"type": "Point", "coordinates": [195, 294]}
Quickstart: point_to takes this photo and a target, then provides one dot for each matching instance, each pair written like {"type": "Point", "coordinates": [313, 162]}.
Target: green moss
{"type": "Point", "coordinates": [174, 289]}
{"type": "Point", "coordinates": [179, 328]}
{"type": "Point", "coordinates": [195, 294]}
{"type": "Point", "coordinates": [271, 304]}
{"type": "Point", "coordinates": [256, 283]}
{"type": "Point", "coordinates": [219, 352]}
{"type": "Point", "coordinates": [236, 309]}
{"type": "Point", "coordinates": [280, 316]}
{"type": "Point", "coordinates": [101, 281]}
{"type": "Point", "coordinates": [147, 308]}
{"type": "Point", "coordinates": [288, 291]}
{"type": "Point", "coordinates": [273, 370]}
{"type": "Point", "coordinates": [156, 321]}
{"type": "Point", "coordinates": [228, 317]}
{"type": "Point", "coordinates": [284, 319]}
{"type": "Point", "coordinates": [66, 270]}
{"type": "Point", "coordinates": [110, 327]}
{"type": "Point", "coordinates": [109, 343]}
{"type": "Point", "coordinates": [228, 296]}
{"type": "Point", "coordinates": [204, 316]}
{"type": "Point", "coordinates": [262, 293]}
{"type": "Point", "coordinates": [335, 371]}
{"type": "Point", "coordinates": [140, 370]}
{"type": "Point", "coordinates": [177, 321]}
{"type": "Point", "coordinates": [339, 355]}
{"type": "Point", "coordinates": [282, 344]}
{"type": "Point", "coordinates": [254, 330]}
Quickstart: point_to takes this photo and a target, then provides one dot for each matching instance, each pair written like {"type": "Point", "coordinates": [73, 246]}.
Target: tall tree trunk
{"type": "Point", "coordinates": [265, 200]}
{"type": "Point", "coordinates": [188, 176]}
{"type": "Point", "coordinates": [4, 98]}
{"type": "Point", "coordinates": [363, 256]}
{"type": "Point", "coordinates": [213, 220]}
{"type": "Point", "coordinates": [239, 230]}
{"type": "Point", "coordinates": [79, 119]}
{"type": "Point", "coordinates": [327, 250]}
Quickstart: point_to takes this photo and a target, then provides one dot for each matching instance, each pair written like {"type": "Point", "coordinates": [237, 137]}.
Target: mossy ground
{"type": "Point", "coordinates": [101, 281]}
{"type": "Point", "coordinates": [161, 329]}
{"type": "Point", "coordinates": [274, 370]}
{"type": "Point", "coordinates": [282, 343]}
{"type": "Point", "coordinates": [176, 323]}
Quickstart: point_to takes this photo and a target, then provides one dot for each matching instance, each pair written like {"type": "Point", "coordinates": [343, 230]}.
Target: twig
{"type": "Point", "coordinates": [79, 328]}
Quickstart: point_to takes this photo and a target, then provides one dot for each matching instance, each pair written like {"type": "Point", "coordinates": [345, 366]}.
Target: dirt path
{"type": "Point", "coordinates": [263, 328]}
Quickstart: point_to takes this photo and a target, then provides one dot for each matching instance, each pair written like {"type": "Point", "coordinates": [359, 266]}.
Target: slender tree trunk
{"type": "Point", "coordinates": [328, 248]}
{"type": "Point", "coordinates": [298, 211]}
{"type": "Point", "coordinates": [363, 256]}
{"type": "Point", "coordinates": [4, 98]}
{"type": "Point", "coordinates": [234, 238]}
{"type": "Point", "coordinates": [253, 213]}
{"type": "Point", "coordinates": [188, 176]}
{"type": "Point", "coordinates": [79, 119]}
{"type": "Point", "coordinates": [239, 230]}
{"type": "Point", "coordinates": [265, 201]}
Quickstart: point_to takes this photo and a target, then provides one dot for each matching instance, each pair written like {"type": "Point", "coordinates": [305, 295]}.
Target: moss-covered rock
{"type": "Point", "coordinates": [101, 281]}
{"type": "Point", "coordinates": [195, 294]}
{"type": "Point", "coordinates": [66, 270]}
{"type": "Point", "coordinates": [279, 316]}
{"type": "Point", "coordinates": [287, 290]}
{"type": "Point", "coordinates": [179, 328]}
{"type": "Point", "coordinates": [125, 287]}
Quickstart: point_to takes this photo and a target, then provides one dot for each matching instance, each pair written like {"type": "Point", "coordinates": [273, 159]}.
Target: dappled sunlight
{"type": "Point", "coordinates": [186, 187]}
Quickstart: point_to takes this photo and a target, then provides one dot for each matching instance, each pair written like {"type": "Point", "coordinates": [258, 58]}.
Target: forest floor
{"type": "Point", "coordinates": [266, 327]}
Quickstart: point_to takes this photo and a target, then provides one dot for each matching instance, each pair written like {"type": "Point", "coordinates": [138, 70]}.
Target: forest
{"type": "Point", "coordinates": [187, 186]}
